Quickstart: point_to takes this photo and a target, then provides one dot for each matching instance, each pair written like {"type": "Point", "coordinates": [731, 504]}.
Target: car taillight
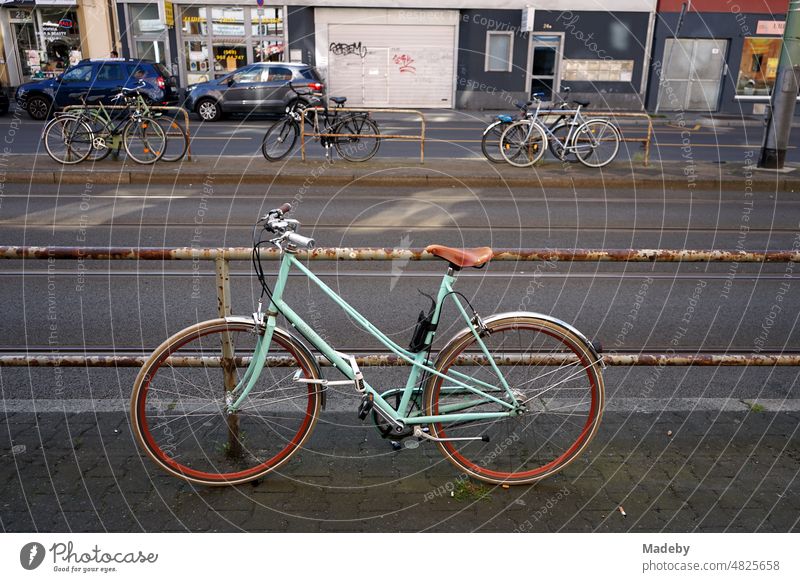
{"type": "Point", "coordinates": [161, 83]}
{"type": "Point", "coordinates": [315, 86]}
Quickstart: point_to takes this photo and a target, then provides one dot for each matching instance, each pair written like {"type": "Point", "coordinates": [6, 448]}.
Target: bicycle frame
{"type": "Point", "coordinates": [419, 361]}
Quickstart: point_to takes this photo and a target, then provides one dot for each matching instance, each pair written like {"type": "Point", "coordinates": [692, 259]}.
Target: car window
{"type": "Point", "coordinates": [248, 76]}
{"type": "Point", "coordinates": [111, 72]}
{"type": "Point", "coordinates": [279, 74]}
{"type": "Point", "coordinates": [79, 73]}
{"type": "Point", "coordinates": [311, 74]}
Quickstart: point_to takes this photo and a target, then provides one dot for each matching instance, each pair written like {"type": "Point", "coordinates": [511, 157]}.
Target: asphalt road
{"type": "Point", "coordinates": [449, 135]}
{"type": "Point", "coordinates": [129, 307]}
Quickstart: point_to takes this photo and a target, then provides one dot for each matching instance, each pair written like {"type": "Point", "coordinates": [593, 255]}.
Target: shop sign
{"type": "Point", "coordinates": [773, 27]}
{"type": "Point", "coordinates": [169, 14]}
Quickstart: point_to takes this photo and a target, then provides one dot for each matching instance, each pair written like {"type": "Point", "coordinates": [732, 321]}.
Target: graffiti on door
{"type": "Point", "coordinates": [406, 63]}
{"type": "Point", "coordinates": [342, 49]}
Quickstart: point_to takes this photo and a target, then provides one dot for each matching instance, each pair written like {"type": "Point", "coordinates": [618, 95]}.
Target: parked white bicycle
{"type": "Point", "coordinates": [595, 142]}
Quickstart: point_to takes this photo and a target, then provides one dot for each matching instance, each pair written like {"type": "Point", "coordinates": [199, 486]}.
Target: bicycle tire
{"type": "Point", "coordinates": [178, 411]}
{"type": "Point", "coordinates": [522, 147]}
{"type": "Point", "coordinates": [144, 140]}
{"type": "Point", "coordinates": [563, 397]}
{"type": "Point", "coordinates": [490, 142]}
{"type": "Point", "coordinates": [68, 140]}
{"type": "Point", "coordinates": [283, 135]}
{"type": "Point", "coordinates": [176, 140]}
{"type": "Point", "coordinates": [356, 149]}
{"type": "Point", "coordinates": [602, 143]}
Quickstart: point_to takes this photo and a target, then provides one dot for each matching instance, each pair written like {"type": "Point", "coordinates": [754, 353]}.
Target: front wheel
{"type": "Point", "coordinates": [555, 378]}
{"type": "Point", "coordinates": [361, 141]}
{"type": "Point", "coordinates": [144, 140]}
{"type": "Point", "coordinates": [596, 143]}
{"type": "Point", "coordinates": [280, 139]}
{"type": "Point", "coordinates": [523, 143]}
{"type": "Point", "coordinates": [178, 405]}
{"type": "Point", "coordinates": [68, 140]}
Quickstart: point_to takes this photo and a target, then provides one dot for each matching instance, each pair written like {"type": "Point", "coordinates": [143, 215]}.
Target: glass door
{"type": "Point", "coordinates": [545, 60]}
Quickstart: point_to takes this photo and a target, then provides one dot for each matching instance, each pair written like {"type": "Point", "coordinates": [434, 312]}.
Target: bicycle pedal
{"type": "Point", "coordinates": [365, 407]}
{"type": "Point", "coordinates": [396, 446]}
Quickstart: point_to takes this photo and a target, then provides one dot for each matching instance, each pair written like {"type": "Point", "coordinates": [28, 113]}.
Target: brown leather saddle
{"type": "Point", "coordinates": [460, 258]}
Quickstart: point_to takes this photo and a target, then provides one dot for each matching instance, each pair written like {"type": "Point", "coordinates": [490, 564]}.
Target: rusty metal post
{"type": "Point", "coordinates": [228, 363]}
{"type": "Point", "coordinates": [422, 138]}
{"type": "Point", "coordinates": [647, 141]}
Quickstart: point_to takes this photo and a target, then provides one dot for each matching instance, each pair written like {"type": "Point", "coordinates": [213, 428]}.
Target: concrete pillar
{"type": "Point", "coordinates": [96, 41]}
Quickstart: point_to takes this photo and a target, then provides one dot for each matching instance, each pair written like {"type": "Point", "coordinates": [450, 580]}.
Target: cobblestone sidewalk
{"type": "Point", "coordinates": [718, 471]}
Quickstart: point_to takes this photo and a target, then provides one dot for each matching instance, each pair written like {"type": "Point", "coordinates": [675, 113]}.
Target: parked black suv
{"type": "Point", "coordinates": [256, 88]}
{"type": "Point", "coordinates": [100, 78]}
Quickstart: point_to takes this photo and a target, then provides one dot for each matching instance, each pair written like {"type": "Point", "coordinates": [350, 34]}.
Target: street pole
{"type": "Point", "coordinates": [784, 94]}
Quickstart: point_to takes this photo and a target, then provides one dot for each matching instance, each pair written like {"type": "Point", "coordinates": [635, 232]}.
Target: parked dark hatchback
{"type": "Point", "coordinates": [256, 88]}
{"type": "Point", "coordinates": [100, 78]}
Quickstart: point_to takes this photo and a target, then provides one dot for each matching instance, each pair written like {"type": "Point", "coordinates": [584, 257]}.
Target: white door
{"type": "Point", "coordinates": [381, 65]}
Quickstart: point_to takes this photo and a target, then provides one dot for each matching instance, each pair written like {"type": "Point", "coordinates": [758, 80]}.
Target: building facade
{"type": "Point", "coordinates": [43, 37]}
{"type": "Point", "coordinates": [718, 56]}
{"type": "Point", "coordinates": [451, 53]}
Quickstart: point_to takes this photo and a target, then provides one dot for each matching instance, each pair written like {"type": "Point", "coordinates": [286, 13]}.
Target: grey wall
{"type": "Point", "coordinates": [720, 25]}
{"type": "Point", "coordinates": [479, 89]}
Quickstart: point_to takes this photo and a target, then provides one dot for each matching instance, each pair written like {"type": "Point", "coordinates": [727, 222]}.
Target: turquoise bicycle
{"type": "Point", "coordinates": [512, 398]}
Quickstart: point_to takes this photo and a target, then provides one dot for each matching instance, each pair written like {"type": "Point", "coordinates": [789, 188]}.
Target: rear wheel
{"type": "Point", "coordinates": [68, 140]}
{"type": "Point", "coordinates": [490, 143]}
{"type": "Point", "coordinates": [177, 142]}
{"type": "Point", "coordinates": [280, 139]}
{"type": "Point", "coordinates": [178, 406]}
{"type": "Point", "coordinates": [523, 143]}
{"type": "Point", "coordinates": [557, 383]}
{"type": "Point", "coordinates": [356, 146]}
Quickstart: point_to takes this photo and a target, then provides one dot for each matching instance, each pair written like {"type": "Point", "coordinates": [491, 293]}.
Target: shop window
{"type": "Point", "coordinates": [196, 61]}
{"type": "Point", "coordinates": [194, 20]}
{"type": "Point", "coordinates": [759, 66]}
{"type": "Point", "coordinates": [227, 22]}
{"type": "Point", "coordinates": [499, 46]}
{"type": "Point", "coordinates": [267, 51]}
{"type": "Point", "coordinates": [145, 18]}
{"type": "Point", "coordinates": [269, 23]}
{"type": "Point", "coordinates": [151, 50]}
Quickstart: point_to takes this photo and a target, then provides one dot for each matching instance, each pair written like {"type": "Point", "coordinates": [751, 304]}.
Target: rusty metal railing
{"type": "Point", "coordinates": [222, 257]}
{"type": "Point", "coordinates": [403, 137]}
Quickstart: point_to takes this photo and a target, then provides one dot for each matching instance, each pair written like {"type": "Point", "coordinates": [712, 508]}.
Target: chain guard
{"type": "Point", "coordinates": [386, 430]}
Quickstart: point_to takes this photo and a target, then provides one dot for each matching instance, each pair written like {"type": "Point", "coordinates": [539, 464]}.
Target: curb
{"type": "Point", "coordinates": [781, 184]}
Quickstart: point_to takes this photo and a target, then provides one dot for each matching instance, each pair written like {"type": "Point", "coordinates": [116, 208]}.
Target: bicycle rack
{"type": "Point", "coordinates": [420, 138]}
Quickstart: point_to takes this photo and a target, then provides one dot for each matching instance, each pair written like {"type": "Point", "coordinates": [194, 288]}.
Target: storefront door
{"type": "Point", "coordinates": [545, 58]}
{"type": "Point", "coordinates": [692, 74]}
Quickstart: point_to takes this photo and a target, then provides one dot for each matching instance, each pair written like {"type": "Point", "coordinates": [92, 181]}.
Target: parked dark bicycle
{"type": "Point", "coordinates": [357, 138]}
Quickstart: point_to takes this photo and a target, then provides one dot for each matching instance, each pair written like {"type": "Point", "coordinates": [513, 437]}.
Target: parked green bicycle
{"type": "Point", "coordinates": [512, 398]}
{"type": "Point", "coordinates": [92, 132]}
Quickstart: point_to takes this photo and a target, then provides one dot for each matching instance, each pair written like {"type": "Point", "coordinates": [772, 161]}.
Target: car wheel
{"type": "Point", "coordinates": [38, 107]}
{"type": "Point", "coordinates": [209, 110]}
